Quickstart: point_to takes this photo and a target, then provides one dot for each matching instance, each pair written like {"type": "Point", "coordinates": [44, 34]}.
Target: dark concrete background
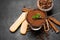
{"type": "Point", "coordinates": [10, 11]}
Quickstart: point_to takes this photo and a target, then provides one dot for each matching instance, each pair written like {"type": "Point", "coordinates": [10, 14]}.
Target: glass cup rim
{"type": "Point", "coordinates": [35, 29]}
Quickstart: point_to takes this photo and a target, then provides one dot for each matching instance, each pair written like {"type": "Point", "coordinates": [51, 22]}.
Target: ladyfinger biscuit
{"type": "Point", "coordinates": [24, 27]}
{"type": "Point", "coordinates": [16, 24]}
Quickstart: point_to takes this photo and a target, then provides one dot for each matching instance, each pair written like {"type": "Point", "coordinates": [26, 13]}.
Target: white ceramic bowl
{"type": "Point", "coordinates": [44, 9]}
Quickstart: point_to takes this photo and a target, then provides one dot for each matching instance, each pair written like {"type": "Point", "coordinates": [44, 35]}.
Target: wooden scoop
{"type": "Point", "coordinates": [23, 28]}
{"type": "Point", "coordinates": [16, 24]}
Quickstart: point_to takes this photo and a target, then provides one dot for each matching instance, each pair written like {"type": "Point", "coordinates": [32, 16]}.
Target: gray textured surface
{"type": "Point", "coordinates": [10, 11]}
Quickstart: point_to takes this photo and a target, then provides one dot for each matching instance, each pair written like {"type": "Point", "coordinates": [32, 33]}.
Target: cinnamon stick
{"type": "Point", "coordinates": [26, 9]}
{"type": "Point", "coordinates": [53, 26]}
{"type": "Point", "coordinates": [46, 28]}
{"type": "Point", "coordinates": [54, 20]}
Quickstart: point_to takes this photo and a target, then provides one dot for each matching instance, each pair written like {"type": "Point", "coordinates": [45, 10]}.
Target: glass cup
{"type": "Point", "coordinates": [35, 29]}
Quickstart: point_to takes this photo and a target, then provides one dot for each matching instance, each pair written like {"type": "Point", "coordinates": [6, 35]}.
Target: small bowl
{"type": "Point", "coordinates": [44, 9]}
